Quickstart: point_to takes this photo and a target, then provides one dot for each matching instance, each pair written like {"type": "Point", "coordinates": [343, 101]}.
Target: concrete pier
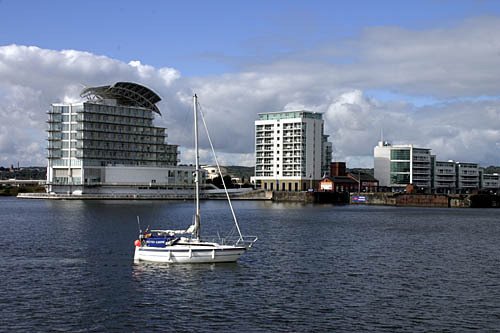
{"type": "Point", "coordinates": [208, 195]}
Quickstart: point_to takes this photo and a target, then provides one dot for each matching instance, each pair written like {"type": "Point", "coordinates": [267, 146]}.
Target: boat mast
{"type": "Point", "coordinates": [197, 170]}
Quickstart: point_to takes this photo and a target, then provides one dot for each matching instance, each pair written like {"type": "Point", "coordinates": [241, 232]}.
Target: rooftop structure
{"type": "Point", "coordinates": [125, 93]}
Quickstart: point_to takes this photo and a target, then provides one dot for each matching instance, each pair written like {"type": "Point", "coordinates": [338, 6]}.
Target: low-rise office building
{"type": "Point", "coordinates": [467, 177]}
{"type": "Point", "coordinates": [444, 177]}
{"type": "Point", "coordinates": [396, 166]}
{"type": "Point", "coordinates": [490, 182]}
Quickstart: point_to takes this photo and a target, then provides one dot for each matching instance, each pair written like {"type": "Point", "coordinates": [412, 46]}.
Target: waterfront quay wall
{"type": "Point", "coordinates": [384, 199]}
{"type": "Point", "coordinates": [423, 200]}
{"type": "Point", "coordinates": [205, 195]}
{"type": "Point", "coordinates": [399, 199]}
{"type": "Point", "coordinates": [276, 196]}
{"type": "Point", "coordinates": [284, 196]}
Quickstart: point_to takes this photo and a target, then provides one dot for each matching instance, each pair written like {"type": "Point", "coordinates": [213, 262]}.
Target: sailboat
{"type": "Point", "coordinates": [188, 246]}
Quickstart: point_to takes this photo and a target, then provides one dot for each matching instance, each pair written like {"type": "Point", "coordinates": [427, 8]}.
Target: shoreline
{"type": "Point", "coordinates": [476, 200]}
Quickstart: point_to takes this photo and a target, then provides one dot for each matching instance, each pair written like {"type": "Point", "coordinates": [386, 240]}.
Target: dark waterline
{"type": "Point", "coordinates": [67, 266]}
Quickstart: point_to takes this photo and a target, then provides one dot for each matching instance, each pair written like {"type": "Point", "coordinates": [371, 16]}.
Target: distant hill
{"type": "Point", "coordinates": [492, 169]}
{"type": "Point", "coordinates": [242, 172]}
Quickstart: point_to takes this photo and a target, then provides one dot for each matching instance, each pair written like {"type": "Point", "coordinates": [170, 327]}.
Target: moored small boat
{"type": "Point", "coordinates": [187, 246]}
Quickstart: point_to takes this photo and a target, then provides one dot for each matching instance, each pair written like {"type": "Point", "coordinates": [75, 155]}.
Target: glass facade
{"type": "Point", "coordinates": [400, 166]}
{"type": "Point", "coordinates": [400, 154]}
{"type": "Point", "coordinates": [400, 178]}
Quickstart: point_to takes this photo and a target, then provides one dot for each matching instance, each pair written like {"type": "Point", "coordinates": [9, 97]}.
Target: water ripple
{"type": "Point", "coordinates": [319, 268]}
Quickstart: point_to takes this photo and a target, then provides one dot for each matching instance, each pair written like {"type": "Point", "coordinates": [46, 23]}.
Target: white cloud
{"type": "Point", "coordinates": [447, 64]}
{"type": "Point", "coordinates": [32, 78]}
{"type": "Point", "coordinates": [459, 61]}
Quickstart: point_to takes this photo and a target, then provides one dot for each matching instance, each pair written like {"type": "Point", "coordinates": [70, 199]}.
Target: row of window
{"type": "Point", "coordinates": [286, 126]}
{"type": "Point", "coordinates": [119, 110]}
{"type": "Point", "coordinates": [400, 154]}
{"type": "Point", "coordinates": [67, 180]}
{"type": "Point", "coordinates": [143, 130]}
{"type": "Point", "coordinates": [445, 171]}
{"type": "Point", "coordinates": [66, 109]}
{"type": "Point", "coordinates": [117, 120]}
{"type": "Point", "coordinates": [58, 118]}
{"type": "Point", "coordinates": [285, 174]}
{"type": "Point", "coordinates": [121, 146]}
{"type": "Point", "coordinates": [129, 138]}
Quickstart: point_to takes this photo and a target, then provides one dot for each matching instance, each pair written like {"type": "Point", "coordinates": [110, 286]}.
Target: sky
{"type": "Point", "coordinates": [411, 72]}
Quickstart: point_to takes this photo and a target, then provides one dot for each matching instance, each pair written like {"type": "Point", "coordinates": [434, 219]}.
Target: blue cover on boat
{"type": "Point", "coordinates": [156, 241]}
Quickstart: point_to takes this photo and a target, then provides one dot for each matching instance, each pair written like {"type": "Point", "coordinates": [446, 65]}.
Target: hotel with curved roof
{"type": "Point", "coordinates": [109, 144]}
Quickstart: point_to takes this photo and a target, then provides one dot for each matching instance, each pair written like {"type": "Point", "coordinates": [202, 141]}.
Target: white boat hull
{"type": "Point", "coordinates": [189, 254]}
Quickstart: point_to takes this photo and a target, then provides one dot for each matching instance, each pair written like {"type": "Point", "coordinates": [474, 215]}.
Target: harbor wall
{"type": "Point", "coordinates": [422, 200]}
{"type": "Point", "coordinates": [235, 194]}
{"type": "Point", "coordinates": [383, 199]}
{"type": "Point", "coordinates": [428, 200]}
{"type": "Point", "coordinates": [284, 196]}
{"type": "Point", "coordinates": [398, 199]}
{"type": "Point", "coordinates": [339, 198]}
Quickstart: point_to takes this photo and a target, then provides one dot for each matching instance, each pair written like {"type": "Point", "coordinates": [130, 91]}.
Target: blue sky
{"type": "Point", "coordinates": [214, 37]}
{"type": "Point", "coordinates": [424, 72]}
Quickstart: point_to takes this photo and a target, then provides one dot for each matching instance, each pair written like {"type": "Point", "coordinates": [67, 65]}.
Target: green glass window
{"type": "Point", "coordinates": [400, 178]}
{"type": "Point", "coordinates": [400, 154]}
{"type": "Point", "coordinates": [400, 166]}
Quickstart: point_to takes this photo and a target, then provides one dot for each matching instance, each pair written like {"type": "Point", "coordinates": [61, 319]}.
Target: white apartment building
{"type": "Point", "coordinates": [444, 177]}
{"type": "Point", "coordinates": [291, 150]}
{"type": "Point", "coordinates": [108, 144]}
{"type": "Point", "coordinates": [396, 166]}
{"type": "Point", "coordinates": [490, 181]}
{"type": "Point", "coordinates": [467, 176]}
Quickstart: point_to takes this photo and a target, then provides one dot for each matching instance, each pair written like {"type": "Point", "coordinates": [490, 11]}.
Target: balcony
{"type": "Point", "coordinates": [54, 127]}
{"type": "Point", "coordinates": [54, 145]}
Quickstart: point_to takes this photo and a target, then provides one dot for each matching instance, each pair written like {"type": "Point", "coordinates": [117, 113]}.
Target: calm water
{"type": "Point", "coordinates": [67, 266]}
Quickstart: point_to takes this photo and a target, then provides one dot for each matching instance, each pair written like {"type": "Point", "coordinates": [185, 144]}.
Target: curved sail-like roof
{"type": "Point", "coordinates": [126, 93]}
